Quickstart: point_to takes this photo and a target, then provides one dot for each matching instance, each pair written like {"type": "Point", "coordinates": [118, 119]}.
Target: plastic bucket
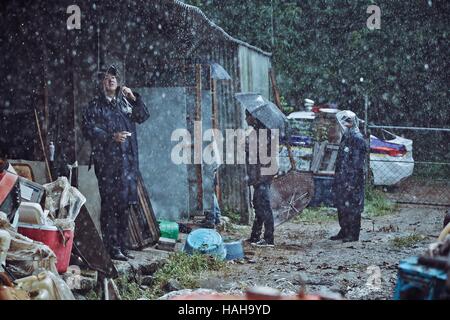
{"type": "Point", "coordinates": [205, 241]}
{"type": "Point", "coordinates": [168, 229]}
{"type": "Point", "coordinates": [234, 250]}
{"type": "Point", "coordinates": [60, 242]}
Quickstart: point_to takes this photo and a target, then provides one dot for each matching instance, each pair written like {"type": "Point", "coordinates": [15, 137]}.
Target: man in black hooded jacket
{"type": "Point", "coordinates": [109, 122]}
{"type": "Point", "coordinates": [349, 179]}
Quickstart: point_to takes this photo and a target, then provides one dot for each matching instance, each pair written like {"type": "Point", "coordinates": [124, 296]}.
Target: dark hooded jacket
{"type": "Point", "coordinates": [116, 164]}
{"type": "Point", "coordinates": [349, 178]}
{"type": "Point", "coordinates": [254, 170]}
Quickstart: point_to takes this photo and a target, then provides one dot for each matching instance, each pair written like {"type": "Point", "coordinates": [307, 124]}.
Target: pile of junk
{"type": "Point", "coordinates": [37, 224]}
{"type": "Point", "coordinates": [426, 277]}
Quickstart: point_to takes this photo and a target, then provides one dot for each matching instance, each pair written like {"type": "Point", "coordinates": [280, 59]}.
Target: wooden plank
{"type": "Point", "coordinates": [315, 150]}
{"type": "Point", "coordinates": [325, 173]}
{"type": "Point", "coordinates": [148, 209]}
{"type": "Point", "coordinates": [317, 161]}
{"type": "Point", "coordinates": [198, 118]}
{"type": "Point", "coordinates": [44, 150]}
{"type": "Point", "coordinates": [332, 162]}
{"type": "Point", "coordinates": [150, 213]}
{"type": "Point", "coordinates": [136, 235]}
{"type": "Point", "coordinates": [276, 93]}
{"type": "Point", "coordinates": [143, 226]}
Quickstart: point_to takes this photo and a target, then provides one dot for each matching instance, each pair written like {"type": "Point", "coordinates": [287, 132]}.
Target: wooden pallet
{"type": "Point", "coordinates": [324, 158]}
{"type": "Point", "coordinates": [144, 228]}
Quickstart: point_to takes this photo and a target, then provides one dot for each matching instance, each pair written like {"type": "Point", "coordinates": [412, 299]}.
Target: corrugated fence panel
{"type": "Point", "coordinates": [254, 70]}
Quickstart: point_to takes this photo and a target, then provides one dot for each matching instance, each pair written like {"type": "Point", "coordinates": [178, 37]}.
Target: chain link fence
{"type": "Point", "coordinates": [412, 166]}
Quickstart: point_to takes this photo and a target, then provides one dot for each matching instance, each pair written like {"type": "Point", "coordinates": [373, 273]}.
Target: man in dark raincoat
{"type": "Point", "coordinates": [261, 194]}
{"type": "Point", "coordinates": [349, 178]}
{"type": "Point", "coordinates": [109, 122]}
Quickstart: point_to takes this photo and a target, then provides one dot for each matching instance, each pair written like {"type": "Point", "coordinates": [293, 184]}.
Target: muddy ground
{"type": "Point", "coordinates": [304, 257]}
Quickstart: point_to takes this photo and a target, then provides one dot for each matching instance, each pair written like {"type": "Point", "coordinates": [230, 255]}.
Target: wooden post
{"type": "Point", "coordinates": [198, 118]}
{"type": "Point", "coordinates": [72, 112]}
{"type": "Point", "coordinates": [277, 98]}
{"type": "Point", "coordinates": [366, 110]}
{"type": "Point", "coordinates": [276, 93]}
{"type": "Point", "coordinates": [44, 111]}
{"type": "Point", "coordinates": [215, 126]}
{"type": "Point", "coordinates": [367, 135]}
{"type": "Point", "coordinates": [45, 100]}
{"type": "Point", "coordinates": [44, 150]}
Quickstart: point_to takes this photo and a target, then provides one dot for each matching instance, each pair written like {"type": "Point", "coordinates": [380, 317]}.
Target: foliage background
{"type": "Point", "coordinates": [322, 48]}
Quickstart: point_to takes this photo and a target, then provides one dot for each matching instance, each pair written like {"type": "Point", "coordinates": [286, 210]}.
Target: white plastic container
{"type": "Point", "coordinates": [31, 213]}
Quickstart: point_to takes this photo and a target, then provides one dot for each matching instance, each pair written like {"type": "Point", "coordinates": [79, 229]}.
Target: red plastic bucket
{"type": "Point", "coordinates": [60, 242]}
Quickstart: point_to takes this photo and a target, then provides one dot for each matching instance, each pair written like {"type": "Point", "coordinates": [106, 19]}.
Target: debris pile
{"type": "Point", "coordinates": [36, 237]}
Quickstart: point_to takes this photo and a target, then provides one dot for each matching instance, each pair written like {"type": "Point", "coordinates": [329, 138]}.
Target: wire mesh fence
{"type": "Point", "coordinates": [412, 165]}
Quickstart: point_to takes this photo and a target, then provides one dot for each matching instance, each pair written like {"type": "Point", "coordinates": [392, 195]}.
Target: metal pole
{"type": "Point", "coordinates": [366, 135]}
{"type": "Point", "coordinates": [366, 110]}
{"type": "Point", "coordinates": [415, 162]}
{"type": "Point", "coordinates": [197, 144]}
{"type": "Point", "coordinates": [273, 37]}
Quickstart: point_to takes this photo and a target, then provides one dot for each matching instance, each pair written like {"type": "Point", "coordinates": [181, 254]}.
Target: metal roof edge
{"type": "Point", "coordinates": [228, 37]}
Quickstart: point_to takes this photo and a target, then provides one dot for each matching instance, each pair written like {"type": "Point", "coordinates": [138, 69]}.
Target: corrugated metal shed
{"type": "Point", "coordinates": [152, 42]}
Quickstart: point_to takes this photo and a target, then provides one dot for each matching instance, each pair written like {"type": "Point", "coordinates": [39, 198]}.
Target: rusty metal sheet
{"type": "Point", "coordinates": [89, 245]}
{"type": "Point", "coordinates": [291, 194]}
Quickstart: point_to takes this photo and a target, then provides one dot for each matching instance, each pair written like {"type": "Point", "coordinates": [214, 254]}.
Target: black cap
{"type": "Point", "coordinates": [112, 70]}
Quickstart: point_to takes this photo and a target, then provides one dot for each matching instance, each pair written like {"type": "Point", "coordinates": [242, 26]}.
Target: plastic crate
{"type": "Point", "coordinates": [323, 191]}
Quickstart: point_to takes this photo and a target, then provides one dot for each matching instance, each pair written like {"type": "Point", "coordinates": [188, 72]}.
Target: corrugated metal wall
{"type": "Point", "coordinates": [254, 71]}
{"type": "Point", "coordinates": [184, 32]}
{"type": "Point", "coordinates": [234, 191]}
{"type": "Point", "coordinates": [249, 70]}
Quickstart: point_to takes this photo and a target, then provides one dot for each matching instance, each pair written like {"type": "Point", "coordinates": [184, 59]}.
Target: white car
{"type": "Point", "coordinates": [391, 160]}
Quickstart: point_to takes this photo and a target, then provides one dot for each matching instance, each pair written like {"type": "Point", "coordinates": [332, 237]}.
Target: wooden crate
{"type": "Point", "coordinates": [144, 228]}
{"type": "Point", "coordinates": [324, 158]}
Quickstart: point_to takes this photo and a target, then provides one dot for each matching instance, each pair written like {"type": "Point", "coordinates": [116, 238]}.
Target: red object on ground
{"type": "Point", "coordinates": [60, 242]}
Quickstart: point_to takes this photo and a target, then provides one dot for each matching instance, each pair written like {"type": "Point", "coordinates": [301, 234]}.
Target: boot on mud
{"type": "Point", "coordinates": [339, 236]}
{"type": "Point", "coordinates": [350, 239]}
